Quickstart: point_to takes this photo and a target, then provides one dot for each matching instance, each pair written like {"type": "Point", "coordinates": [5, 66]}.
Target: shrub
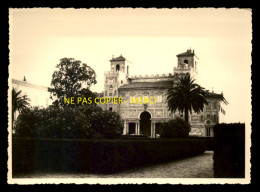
{"type": "Point", "coordinates": [108, 124]}
{"type": "Point", "coordinates": [25, 124]}
{"type": "Point", "coordinates": [88, 121]}
{"type": "Point", "coordinates": [176, 128]}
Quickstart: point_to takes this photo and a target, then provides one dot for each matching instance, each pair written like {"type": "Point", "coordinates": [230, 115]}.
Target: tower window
{"type": "Point", "coordinates": [121, 82]}
{"type": "Point", "coordinates": [186, 61]}
{"type": "Point", "coordinates": [117, 67]}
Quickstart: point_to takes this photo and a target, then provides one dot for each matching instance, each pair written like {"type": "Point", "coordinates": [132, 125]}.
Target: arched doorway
{"type": "Point", "coordinates": [145, 123]}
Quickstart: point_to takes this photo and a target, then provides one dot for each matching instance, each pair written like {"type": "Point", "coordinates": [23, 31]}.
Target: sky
{"type": "Point", "coordinates": [149, 38]}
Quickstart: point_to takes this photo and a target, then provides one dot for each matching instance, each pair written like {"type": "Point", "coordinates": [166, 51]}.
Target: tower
{"type": "Point", "coordinates": [116, 77]}
{"type": "Point", "coordinates": [187, 64]}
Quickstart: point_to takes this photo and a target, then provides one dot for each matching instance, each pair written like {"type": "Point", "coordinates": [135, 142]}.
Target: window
{"type": "Point", "coordinates": [117, 67]}
{"type": "Point", "coordinates": [110, 108]}
{"type": "Point", "coordinates": [209, 106]}
{"type": "Point", "coordinates": [215, 118]}
{"type": "Point", "coordinates": [115, 92]}
{"type": "Point", "coordinates": [201, 118]}
{"type": "Point", "coordinates": [105, 93]}
{"type": "Point", "coordinates": [116, 78]}
{"type": "Point", "coordinates": [110, 94]}
{"type": "Point", "coordinates": [208, 116]}
{"type": "Point", "coordinates": [127, 70]}
{"type": "Point", "coordinates": [121, 82]}
{"type": "Point", "coordinates": [208, 132]}
{"type": "Point", "coordinates": [186, 61]}
{"type": "Point", "coordinates": [215, 105]}
{"type": "Point", "coordinates": [111, 86]}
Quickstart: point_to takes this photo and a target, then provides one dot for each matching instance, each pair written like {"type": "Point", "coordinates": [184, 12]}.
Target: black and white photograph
{"type": "Point", "coordinates": [129, 96]}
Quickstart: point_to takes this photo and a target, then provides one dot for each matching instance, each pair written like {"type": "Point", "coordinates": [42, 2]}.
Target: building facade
{"type": "Point", "coordinates": [38, 95]}
{"type": "Point", "coordinates": [145, 118]}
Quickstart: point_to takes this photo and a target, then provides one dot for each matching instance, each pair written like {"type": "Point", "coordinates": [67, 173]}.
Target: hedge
{"type": "Point", "coordinates": [210, 142]}
{"type": "Point", "coordinates": [229, 150]}
{"type": "Point", "coordinates": [97, 156]}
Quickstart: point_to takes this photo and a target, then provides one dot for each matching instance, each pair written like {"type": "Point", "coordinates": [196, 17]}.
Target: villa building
{"type": "Point", "coordinates": [144, 119]}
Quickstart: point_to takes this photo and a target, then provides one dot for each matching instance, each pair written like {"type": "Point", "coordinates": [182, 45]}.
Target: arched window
{"type": "Point", "coordinates": [186, 61]}
{"type": "Point", "coordinates": [117, 67]}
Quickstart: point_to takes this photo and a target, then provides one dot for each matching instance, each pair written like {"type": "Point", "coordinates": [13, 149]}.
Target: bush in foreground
{"type": "Point", "coordinates": [84, 122]}
{"type": "Point", "coordinates": [176, 128]}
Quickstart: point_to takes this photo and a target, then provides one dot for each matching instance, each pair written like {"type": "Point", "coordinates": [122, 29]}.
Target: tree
{"type": "Point", "coordinates": [19, 102]}
{"type": "Point", "coordinates": [72, 79]}
{"type": "Point", "coordinates": [185, 96]}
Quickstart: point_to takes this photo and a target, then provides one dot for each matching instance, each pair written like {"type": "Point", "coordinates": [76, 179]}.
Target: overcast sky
{"type": "Point", "coordinates": [149, 38]}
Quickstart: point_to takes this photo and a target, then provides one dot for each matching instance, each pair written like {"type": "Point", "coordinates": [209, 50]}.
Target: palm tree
{"type": "Point", "coordinates": [185, 96]}
{"type": "Point", "coordinates": [19, 102]}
